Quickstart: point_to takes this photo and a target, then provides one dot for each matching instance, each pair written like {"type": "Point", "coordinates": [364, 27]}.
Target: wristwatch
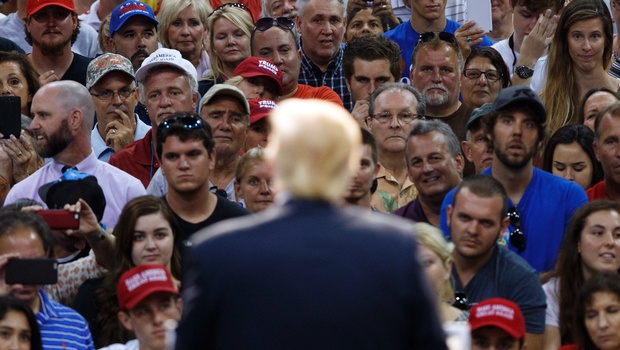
{"type": "Point", "coordinates": [524, 72]}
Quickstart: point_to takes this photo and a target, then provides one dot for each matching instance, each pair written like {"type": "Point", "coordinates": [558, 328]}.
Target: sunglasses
{"type": "Point", "coordinates": [445, 36]}
{"type": "Point", "coordinates": [233, 5]}
{"type": "Point", "coordinates": [517, 236]}
{"type": "Point", "coordinates": [218, 191]}
{"type": "Point", "coordinates": [266, 23]}
{"type": "Point", "coordinates": [183, 121]}
{"type": "Point", "coordinates": [460, 301]}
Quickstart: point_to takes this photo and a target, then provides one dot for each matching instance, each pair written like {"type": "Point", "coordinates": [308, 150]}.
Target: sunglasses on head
{"type": "Point", "coordinates": [444, 36]}
{"type": "Point", "coordinates": [234, 5]}
{"type": "Point", "coordinates": [266, 23]}
{"type": "Point", "coordinates": [183, 121]}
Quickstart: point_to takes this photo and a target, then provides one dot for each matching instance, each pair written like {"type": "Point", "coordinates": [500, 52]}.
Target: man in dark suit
{"type": "Point", "coordinates": [308, 274]}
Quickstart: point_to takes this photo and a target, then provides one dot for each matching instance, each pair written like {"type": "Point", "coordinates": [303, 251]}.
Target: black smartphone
{"type": "Point", "coordinates": [31, 271]}
{"type": "Point", "coordinates": [10, 116]}
{"type": "Point", "coordinates": [60, 219]}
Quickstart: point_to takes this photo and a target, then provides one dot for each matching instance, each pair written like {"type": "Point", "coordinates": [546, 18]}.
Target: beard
{"type": "Point", "coordinates": [515, 163]}
{"type": "Point", "coordinates": [52, 49]}
{"type": "Point", "coordinates": [57, 141]}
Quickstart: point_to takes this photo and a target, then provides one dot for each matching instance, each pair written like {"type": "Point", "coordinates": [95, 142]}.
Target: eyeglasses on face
{"type": "Point", "coordinates": [59, 14]}
{"type": "Point", "coordinates": [517, 236]}
{"type": "Point", "coordinates": [474, 74]}
{"type": "Point", "coordinates": [108, 95]}
{"type": "Point", "coordinates": [234, 5]}
{"type": "Point", "coordinates": [403, 118]}
{"type": "Point", "coordinates": [266, 23]}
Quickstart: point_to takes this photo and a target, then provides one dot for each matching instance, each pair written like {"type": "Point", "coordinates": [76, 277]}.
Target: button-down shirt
{"type": "Point", "coordinates": [102, 151]}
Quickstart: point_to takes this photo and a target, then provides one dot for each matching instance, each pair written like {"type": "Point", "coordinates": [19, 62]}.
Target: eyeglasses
{"type": "Point", "coordinates": [517, 236]}
{"type": "Point", "coordinates": [183, 121]}
{"type": "Point", "coordinates": [403, 118]}
{"type": "Point", "coordinates": [108, 95]}
{"type": "Point", "coordinates": [474, 74]}
{"type": "Point", "coordinates": [45, 14]}
{"type": "Point", "coordinates": [460, 301]}
{"type": "Point", "coordinates": [234, 5]}
{"type": "Point", "coordinates": [283, 22]}
{"type": "Point", "coordinates": [445, 36]}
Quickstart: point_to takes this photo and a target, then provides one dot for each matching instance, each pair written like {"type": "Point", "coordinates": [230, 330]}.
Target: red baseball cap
{"type": "Point", "coordinates": [498, 312]}
{"type": "Point", "coordinates": [260, 108]}
{"type": "Point", "coordinates": [35, 5]}
{"type": "Point", "coordinates": [259, 67]}
{"type": "Point", "coordinates": [140, 282]}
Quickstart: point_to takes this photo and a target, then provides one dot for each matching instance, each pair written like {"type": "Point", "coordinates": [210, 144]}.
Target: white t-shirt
{"type": "Point", "coordinates": [511, 57]}
{"type": "Point", "coordinates": [552, 290]}
{"type": "Point", "coordinates": [131, 345]}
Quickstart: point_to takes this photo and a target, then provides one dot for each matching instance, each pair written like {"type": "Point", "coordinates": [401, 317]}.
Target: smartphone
{"type": "Point", "coordinates": [31, 271]}
{"type": "Point", "coordinates": [10, 115]}
{"type": "Point", "coordinates": [60, 219]}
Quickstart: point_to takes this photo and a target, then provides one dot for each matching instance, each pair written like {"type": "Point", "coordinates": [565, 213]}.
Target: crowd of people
{"type": "Point", "coordinates": [310, 174]}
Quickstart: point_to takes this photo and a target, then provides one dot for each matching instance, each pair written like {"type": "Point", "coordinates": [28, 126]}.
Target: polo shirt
{"type": "Point", "coordinates": [138, 159]}
{"type": "Point", "coordinates": [62, 327]}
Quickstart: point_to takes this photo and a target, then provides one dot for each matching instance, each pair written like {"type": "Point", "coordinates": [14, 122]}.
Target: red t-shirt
{"type": "Point", "coordinates": [321, 93]}
{"type": "Point", "coordinates": [597, 192]}
{"type": "Point", "coordinates": [254, 6]}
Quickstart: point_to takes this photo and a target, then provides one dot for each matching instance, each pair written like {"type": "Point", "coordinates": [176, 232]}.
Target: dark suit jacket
{"type": "Point", "coordinates": [307, 275]}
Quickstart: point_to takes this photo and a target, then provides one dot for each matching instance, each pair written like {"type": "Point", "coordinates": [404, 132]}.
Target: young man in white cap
{"type": "Point", "coordinates": [147, 298]}
{"type": "Point", "coordinates": [497, 323]}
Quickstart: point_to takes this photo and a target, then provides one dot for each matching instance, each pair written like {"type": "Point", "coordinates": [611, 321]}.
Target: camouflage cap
{"type": "Point", "coordinates": [105, 64]}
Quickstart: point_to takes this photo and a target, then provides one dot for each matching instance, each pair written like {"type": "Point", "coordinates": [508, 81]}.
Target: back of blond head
{"type": "Point", "coordinates": [315, 148]}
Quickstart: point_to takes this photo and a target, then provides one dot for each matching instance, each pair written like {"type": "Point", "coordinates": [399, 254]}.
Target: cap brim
{"type": "Point", "coordinates": [36, 9]}
{"type": "Point", "coordinates": [257, 74]}
{"type": "Point", "coordinates": [122, 22]}
{"type": "Point", "coordinates": [490, 323]}
{"type": "Point", "coordinates": [138, 298]}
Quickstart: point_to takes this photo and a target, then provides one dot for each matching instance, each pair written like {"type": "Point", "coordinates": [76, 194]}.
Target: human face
{"type": "Point", "coordinates": [477, 150]}
{"type": "Point", "coordinates": [186, 33]}
{"type": "Point", "coordinates": [51, 29]}
{"type": "Point", "coordinates": [226, 117]}
{"type": "Point", "coordinates": [515, 139]}
{"type": "Point", "coordinates": [487, 338]}
{"type": "Point", "coordinates": [431, 167]}
{"type": "Point", "coordinates": [523, 22]}
{"type": "Point", "coordinates": [362, 181]}
{"type": "Point", "coordinates": [136, 40]}
{"type": "Point", "coordinates": [500, 9]}
{"type": "Point", "coordinates": [391, 136]}
{"type": "Point", "coordinates": [107, 111]}
{"type": "Point", "coordinates": [437, 76]}
{"type": "Point", "coordinates": [435, 270]}
{"type": "Point", "coordinates": [597, 102]}
{"type": "Point", "coordinates": [153, 240]}
{"type": "Point", "coordinates": [367, 77]}
{"type": "Point", "coordinates": [586, 42]}
{"type": "Point", "coordinates": [475, 224]}
{"type": "Point", "coordinates": [257, 134]}
{"type": "Point", "coordinates": [49, 125]}
{"type": "Point", "coordinates": [599, 242]}
{"type": "Point", "coordinates": [429, 10]}
{"type": "Point", "coordinates": [14, 83]}
{"type": "Point", "coordinates": [602, 320]}
{"type": "Point", "coordinates": [259, 87]}
{"type": "Point", "coordinates": [15, 333]}
{"type": "Point", "coordinates": [26, 242]}
{"type": "Point", "coordinates": [571, 162]}
{"type": "Point", "coordinates": [230, 43]}
{"type": "Point", "coordinates": [364, 23]}
{"type": "Point", "coordinates": [166, 93]}
{"type": "Point", "coordinates": [147, 319]}
{"type": "Point", "coordinates": [278, 46]}
{"type": "Point", "coordinates": [477, 92]}
{"type": "Point", "coordinates": [255, 186]}
{"type": "Point", "coordinates": [282, 8]}
{"type": "Point", "coordinates": [607, 148]}
{"type": "Point", "coordinates": [322, 28]}
{"type": "Point", "coordinates": [186, 165]}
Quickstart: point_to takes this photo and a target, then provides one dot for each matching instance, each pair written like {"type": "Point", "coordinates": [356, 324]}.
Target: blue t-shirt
{"type": "Point", "coordinates": [546, 208]}
{"type": "Point", "coordinates": [506, 275]}
{"type": "Point", "coordinates": [406, 38]}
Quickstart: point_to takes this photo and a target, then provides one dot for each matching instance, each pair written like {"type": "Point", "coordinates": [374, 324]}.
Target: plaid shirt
{"type": "Point", "coordinates": [311, 74]}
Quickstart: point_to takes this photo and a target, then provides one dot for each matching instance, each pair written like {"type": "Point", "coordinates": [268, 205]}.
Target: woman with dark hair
{"type": "Point", "coordinates": [484, 75]}
{"type": "Point", "coordinates": [595, 101]}
{"type": "Point", "coordinates": [597, 320]}
{"type": "Point", "coordinates": [569, 154]}
{"type": "Point", "coordinates": [19, 78]}
{"type": "Point", "coordinates": [146, 232]}
{"type": "Point", "coordinates": [591, 244]}
{"type": "Point", "coordinates": [18, 326]}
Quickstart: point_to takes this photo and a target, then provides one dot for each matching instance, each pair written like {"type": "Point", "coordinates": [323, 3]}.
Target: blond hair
{"type": "Point", "coordinates": [171, 9]}
{"type": "Point", "coordinates": [432, 238]}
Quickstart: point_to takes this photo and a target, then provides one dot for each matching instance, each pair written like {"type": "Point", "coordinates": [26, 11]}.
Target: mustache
{"type": "Point", "coordinates": [140, 52]}
{"type": "Point", "coordinates": [435, 86]}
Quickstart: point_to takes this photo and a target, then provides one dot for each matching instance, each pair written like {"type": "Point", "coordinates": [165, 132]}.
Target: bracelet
{"type": "Point", "coordinates": [102, 235]}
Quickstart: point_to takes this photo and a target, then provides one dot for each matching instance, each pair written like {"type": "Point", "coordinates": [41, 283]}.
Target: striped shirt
{"type": "Point", "coordinates": [62, 327]}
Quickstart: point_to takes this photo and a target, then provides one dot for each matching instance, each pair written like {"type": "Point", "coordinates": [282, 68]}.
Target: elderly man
{"type": "Point", "coordinates": [435, 165]}
{"type": "Point", "coordinates": [279, 8]}
{"type": "Point", "coordinates": [476, 146]}
{"type": "Point", "coordinates": [112, 84]}
{"type": "Point", "coordinates": [318, 263]}
{"type": "Point", "coordinates": [322, 24]}
{"type": "Point", "coordinates": [278, 43]}
{"type": "Point", "coordinates": [51, 28]}
{"type": "Point", "coordinates": [392, 110]}
{"type": "Point", "coordinates": [167, 84]}
{"type": "Point", "coordinates": [607, 129]}
{"type": "Point", "coordinates": [62, 122]}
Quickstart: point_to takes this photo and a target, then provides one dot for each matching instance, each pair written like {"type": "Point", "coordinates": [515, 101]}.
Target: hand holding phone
{"type": "Point", "coordinates": [11, 116]}
{"type": "Point", "coordinates": [31, 271]}
{"type": "Point", "coordinates": [60, 219]}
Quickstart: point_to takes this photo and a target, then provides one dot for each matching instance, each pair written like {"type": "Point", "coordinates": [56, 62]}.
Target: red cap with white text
{"type": "Point", "coordinates": [498, 312]}
{"type": "Point", "coordinates": [140, 282]}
